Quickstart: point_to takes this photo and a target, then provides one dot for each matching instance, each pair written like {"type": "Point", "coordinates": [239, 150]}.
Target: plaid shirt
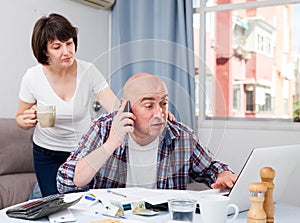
{"type": "Point", "coordinates": [180, 157]}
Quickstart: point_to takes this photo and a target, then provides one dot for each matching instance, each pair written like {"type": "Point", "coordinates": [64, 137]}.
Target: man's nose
{"type": "Point", "coordinates": [159, 112]}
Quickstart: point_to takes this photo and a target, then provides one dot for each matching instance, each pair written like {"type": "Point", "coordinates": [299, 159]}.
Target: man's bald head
{"type": "Point", "coordinates": [142, 84]}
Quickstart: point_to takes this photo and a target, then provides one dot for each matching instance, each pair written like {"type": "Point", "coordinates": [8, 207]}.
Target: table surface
{"type": "Point", "coordinates": [284, 213]}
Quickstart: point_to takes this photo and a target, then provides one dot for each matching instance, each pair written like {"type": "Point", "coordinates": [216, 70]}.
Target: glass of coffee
{"type": "Point", "coordinates": [46, 115]}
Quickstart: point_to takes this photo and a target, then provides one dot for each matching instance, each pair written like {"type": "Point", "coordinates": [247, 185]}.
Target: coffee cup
{"type": "Point", "coordinates": [46, 115]}
{"type": "Point", "coordinates": [182, 210]}
{"type": "Point", "coordinates": [214, 208]}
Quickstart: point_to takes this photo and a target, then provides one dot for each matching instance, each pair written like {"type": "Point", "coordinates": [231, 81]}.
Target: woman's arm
{"type": "Point", "coordinates": [108, 100]}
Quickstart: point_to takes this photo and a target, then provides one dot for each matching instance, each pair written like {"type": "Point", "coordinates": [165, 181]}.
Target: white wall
{"type": "Point", "coordinates": [17, 18]}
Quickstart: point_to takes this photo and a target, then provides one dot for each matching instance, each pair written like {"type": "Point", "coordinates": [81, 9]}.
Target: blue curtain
{"type": "Point", "coordinates": [156, 36]}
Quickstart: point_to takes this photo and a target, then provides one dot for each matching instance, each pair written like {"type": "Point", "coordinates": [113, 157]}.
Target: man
{"type": "Point", "coordinates": [141, 148]}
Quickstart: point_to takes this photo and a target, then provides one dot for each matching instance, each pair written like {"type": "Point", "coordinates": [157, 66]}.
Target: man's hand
{"type": "Point", "coordinates": [224, 180]}
{"type": "Point", "coordinates": [122, 124]}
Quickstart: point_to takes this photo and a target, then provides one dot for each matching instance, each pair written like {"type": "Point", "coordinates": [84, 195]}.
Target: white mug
{"type": "Point", "coordinates": [214, 208]}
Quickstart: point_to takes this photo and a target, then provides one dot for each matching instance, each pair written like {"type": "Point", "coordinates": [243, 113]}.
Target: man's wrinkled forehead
{"type": "Point", "coordinates": [152, 97]}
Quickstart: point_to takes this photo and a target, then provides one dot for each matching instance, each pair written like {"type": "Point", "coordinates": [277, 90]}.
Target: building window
{"type": "Point", "coordinates": [251, 44]}
{"type": "Point", "coordinates": [268, 103]}
{"type": "Point", "coordinates": [249, 101]}
{"type": "Point", "coordinates": [237, 98]}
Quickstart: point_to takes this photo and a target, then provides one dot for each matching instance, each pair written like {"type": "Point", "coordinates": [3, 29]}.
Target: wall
{"type": "Point", "coordinates": [17, 19]}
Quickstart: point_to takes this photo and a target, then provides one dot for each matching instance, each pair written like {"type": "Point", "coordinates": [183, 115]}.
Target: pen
{"type": "Point", "coordinates": [111, 216]}
{"type": "Point", "coordinates": [115, 193]}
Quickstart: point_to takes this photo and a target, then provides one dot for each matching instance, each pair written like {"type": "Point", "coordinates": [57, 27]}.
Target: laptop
{"type": "Point", "coordinates": [283, 159]}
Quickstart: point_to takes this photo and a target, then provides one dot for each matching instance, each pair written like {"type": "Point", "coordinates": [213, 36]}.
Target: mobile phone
{"type": "Point", "coordinates": [127, 109]}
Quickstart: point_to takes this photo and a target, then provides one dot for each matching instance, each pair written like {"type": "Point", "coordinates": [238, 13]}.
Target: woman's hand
{"type": "Point", "coordinates": [29, 117]}
{"type": "Point", "coordinates": [26, 115]}
{"type": "Point", "coordinates": [171, 117]}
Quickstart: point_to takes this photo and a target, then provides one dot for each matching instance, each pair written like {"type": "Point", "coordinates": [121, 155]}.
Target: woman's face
{"type": "Point", "coordinates": [61, 54]}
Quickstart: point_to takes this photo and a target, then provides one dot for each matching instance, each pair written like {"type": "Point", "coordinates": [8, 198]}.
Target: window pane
{"type": "Point", "coordinates": [250, 55]}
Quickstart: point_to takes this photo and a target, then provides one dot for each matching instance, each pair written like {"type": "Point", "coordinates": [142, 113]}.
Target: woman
{"type": "Point", "coordinates": [61, 80]}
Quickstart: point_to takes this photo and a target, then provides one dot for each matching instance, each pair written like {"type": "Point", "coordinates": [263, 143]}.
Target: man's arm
{"type": "Point", "coordinates": [65, 175]}
{"type": "Point", "coordinates": [93, 151]}
{"type": "Point", "coordinates": [215, 175]}
{"type": "Point", "coordinates": [210, 171]}
{"type": "Point", "coordinates": [88, 143]}
{"type": "Point", "coordinates": [89, 165]}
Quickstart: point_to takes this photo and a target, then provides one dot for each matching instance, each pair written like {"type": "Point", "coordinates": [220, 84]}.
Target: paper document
{"type": "Point", "coordinates": [134, 194]}
{"type": "Point", "coordinates": [61, 216]}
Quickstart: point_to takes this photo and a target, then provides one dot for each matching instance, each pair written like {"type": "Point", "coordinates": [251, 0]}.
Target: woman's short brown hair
{"type": "Point", "coordinates": [48, 29]}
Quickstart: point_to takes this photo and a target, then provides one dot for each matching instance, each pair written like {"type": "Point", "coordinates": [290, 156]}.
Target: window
{"type": "Point", "coordinates": [268, 103]}
{"type": "Point", "coordinates": [250, 69]}
{"type": "Point", "coordinates": [237, 98]}
{"type": "Point", "coordinates": [249, 101]}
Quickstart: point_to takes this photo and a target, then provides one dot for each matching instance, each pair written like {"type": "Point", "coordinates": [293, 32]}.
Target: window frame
{"type": "Point", "coordinates": [231, 122]}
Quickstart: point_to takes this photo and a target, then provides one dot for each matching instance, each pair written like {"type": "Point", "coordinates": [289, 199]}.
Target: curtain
{"type": "Point", "coordinates": [156, 36]}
